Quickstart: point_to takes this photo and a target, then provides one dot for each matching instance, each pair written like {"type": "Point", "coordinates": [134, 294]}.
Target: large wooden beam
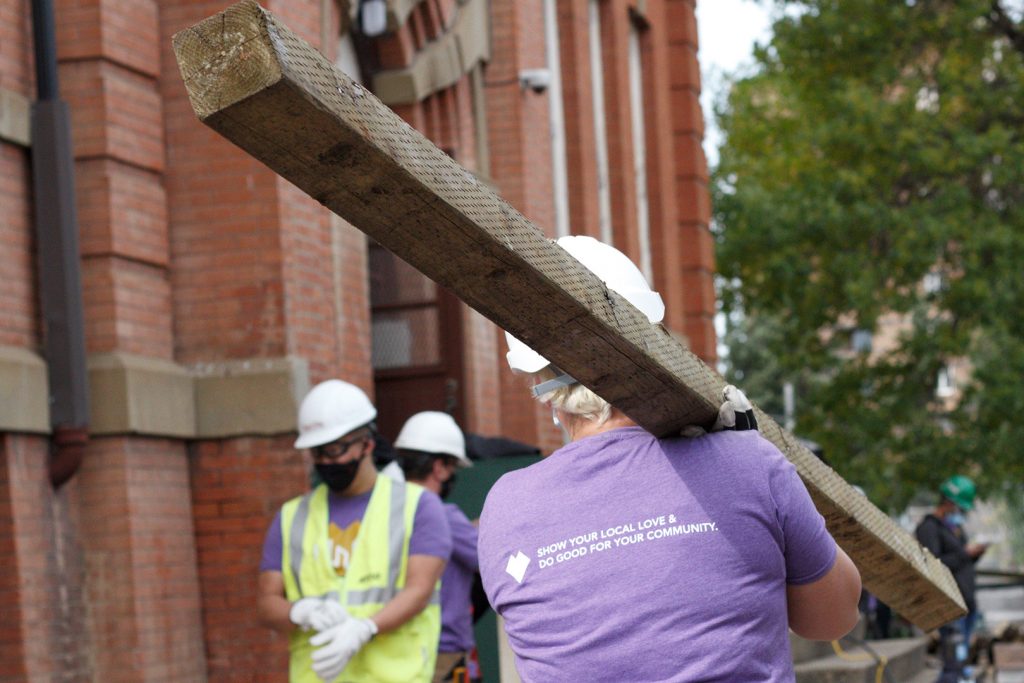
{"type": "Point", "coordinates": [256, 83]}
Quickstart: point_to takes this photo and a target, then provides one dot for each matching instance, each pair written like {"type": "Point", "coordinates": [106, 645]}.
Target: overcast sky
{"type": "Point", "coordinates": [727, 32]}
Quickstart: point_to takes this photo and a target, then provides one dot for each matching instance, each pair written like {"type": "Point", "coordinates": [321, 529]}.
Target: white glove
{"type": "Point", "coordinates": [338, 644]}
{"type": "Point", "coordinates": [735, 413]}
{"type": "Point", "coordinates": [317, 613]}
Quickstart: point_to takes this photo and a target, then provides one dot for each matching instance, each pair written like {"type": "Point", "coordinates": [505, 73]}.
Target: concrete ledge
{"type": "Point", "coordinates": [15, 118]}
{"type": "Point", "coordinates": [24, 391]}
{"type": "Point", "coordinates": [442, 62]}
{"type": "Point", "coordinates": [250, 397]}
{"type": "Point", "coordinates": [131, 394]}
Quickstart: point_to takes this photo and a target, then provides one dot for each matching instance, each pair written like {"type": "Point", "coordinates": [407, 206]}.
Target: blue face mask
{"type": "Point", "coordinates": [955, 519]}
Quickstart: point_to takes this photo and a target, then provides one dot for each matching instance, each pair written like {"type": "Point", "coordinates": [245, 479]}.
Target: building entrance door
{"type": "Point", "coordinates": [417, 343]}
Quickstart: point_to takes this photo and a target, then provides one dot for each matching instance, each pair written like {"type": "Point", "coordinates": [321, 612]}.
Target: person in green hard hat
{"type": "Point", "coordinates": [942, 532]}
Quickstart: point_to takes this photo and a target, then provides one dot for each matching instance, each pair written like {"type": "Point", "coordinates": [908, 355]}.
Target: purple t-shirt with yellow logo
{"type": "Point", "coordinates": [622, 557]}
{"type": "Point", "coordinates": [430, 532]}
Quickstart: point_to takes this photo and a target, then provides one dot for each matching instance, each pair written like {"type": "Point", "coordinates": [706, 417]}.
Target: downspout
{"type": "Point", "coordinates": [60, 290]}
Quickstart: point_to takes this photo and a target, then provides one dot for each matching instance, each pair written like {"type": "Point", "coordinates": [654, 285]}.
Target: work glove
{"type": "Point", "coordinates": [338, 644]}
{"type": "Point", "coordinates": [736, 413]}
{"type": "Point", "coordinates": [317, 613]}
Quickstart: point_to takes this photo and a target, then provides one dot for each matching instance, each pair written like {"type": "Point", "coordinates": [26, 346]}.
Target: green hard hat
{"type": "Point", "coordinates": [960, 490]}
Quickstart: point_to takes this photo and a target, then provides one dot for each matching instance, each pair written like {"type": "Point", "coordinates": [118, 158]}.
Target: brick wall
{"type": "Point", "coordinates": [237, 486]}
{"type": "Point", "coordinates": [19, 315]}
{"type": "Point", "coordinates": [484, 357]}
{"type": "Point", "coordinates": [521, 169]}
{"type": "Point", "coordinates": [15, 44]}
{"type": "Point", "coordinates": [259, 270]}
{"type": "Point", "coordinates": [352, 292]}
{"type": "Point", "coordinates": [135, 519]}
{"type": "Point", "coordinates": [19, 324]}
{"type": "Point", "coordinates": [225, 233]}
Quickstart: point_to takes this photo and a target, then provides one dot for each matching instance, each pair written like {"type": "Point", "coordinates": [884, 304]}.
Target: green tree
{"type": "Point", "coordinates": [873, 165]}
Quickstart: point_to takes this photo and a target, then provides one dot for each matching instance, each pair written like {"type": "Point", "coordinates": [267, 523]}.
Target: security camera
{"type": "Point", "coordinates": [536, 80]}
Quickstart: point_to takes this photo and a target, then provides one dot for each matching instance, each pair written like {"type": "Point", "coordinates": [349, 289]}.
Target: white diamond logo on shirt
{"type": "Point", "coordinates": [517, 566]}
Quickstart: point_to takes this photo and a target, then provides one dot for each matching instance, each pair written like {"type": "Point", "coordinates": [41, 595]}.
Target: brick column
{"type": "Point", "coordinates": [663, 161]}
{"type": "Point", "coordinates": [615, 29]}
{"type": "Point", "coordinates": [521, 168]}
{"type": "Point", "coordinates": [45, 635]}
{"type": "Point", "coordinates": [577, 101]}
{"type": "Point", "coordinates": [134, 514]}
{"type": "Point", "coordinates": [691, 187]}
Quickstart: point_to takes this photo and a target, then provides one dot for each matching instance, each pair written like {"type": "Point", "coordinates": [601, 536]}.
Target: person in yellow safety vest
{"type": "Point", "coordinates": [431, 448]}
{"type": "Point", "coordinates": [351, 570]}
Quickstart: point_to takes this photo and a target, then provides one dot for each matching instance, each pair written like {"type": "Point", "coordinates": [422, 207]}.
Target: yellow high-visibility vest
{"type": "Point", "coordinates": [375, 574]}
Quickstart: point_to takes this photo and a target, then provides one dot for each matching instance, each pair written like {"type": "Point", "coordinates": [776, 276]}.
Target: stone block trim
{"type": "Point", "coordinates": [441, 63]}
{"type": "Point", "coordinates": [249, 397]}
{"type": "Point", "coordinates": [15, 120]}
{"type": "Point", "coordinates": [24, 395]}
{"type": "Point", "coordinates": [131, 394]}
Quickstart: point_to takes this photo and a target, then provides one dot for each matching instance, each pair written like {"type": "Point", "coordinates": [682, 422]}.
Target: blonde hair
{"type": "Point", "coordinates": [575, 399]}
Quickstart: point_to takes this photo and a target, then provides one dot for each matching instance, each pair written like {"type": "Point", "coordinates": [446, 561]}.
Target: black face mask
{"type": "Point", "coordinates": [338, 477]}
{"type": "Point", "coordinates": [446, 486]}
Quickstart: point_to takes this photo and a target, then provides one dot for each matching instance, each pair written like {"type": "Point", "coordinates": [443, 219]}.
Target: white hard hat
{"type": "Point", "coordinates": [433, 432]}
{"type": "Point", "coordinates": [617, 272]}
{"type": "Point", "coordinates": [331, 410]}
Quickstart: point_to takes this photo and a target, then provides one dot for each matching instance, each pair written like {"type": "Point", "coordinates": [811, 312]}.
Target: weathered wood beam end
{"type": "Point", "coordinates": [263, 88]}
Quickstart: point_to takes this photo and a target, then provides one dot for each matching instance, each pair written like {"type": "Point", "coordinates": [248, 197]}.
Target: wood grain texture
{"type": "Point", "coordinates": [260, 86]}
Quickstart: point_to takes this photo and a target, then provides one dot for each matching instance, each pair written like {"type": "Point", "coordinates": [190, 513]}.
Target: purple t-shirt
{"type": "Point", "coordinates": [622, 557]}
{"type": "Point", "coordinates": [456, 584]}
{"type": "Point", "coordinates": [430, 532]}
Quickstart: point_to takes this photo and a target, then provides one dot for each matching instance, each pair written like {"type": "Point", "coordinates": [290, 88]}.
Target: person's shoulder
{"type": "Point", "coordinates": [745, 439]}
{"type": "Point", "coordinates": [427, 498]}
{"type": "Point", "coordinates": [455, 513]}
{"type": "Point", "coordinates": [511, 487]}
{"type": "Point", "coordinates": [430, 510]}
{"type": "Point", "coordinates": [294, 501]}
{"type": "Point", "coordinates": [749, 446]}
{"type": "Point", "coordinates": [511, 483]}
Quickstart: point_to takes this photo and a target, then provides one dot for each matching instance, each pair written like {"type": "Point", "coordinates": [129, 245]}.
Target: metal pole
{"type": "Point", "coordinates": [789, 405]}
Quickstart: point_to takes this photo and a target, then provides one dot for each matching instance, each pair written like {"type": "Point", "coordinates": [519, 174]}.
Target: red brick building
{"type": "Point", "coordinates": [214, 294]}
